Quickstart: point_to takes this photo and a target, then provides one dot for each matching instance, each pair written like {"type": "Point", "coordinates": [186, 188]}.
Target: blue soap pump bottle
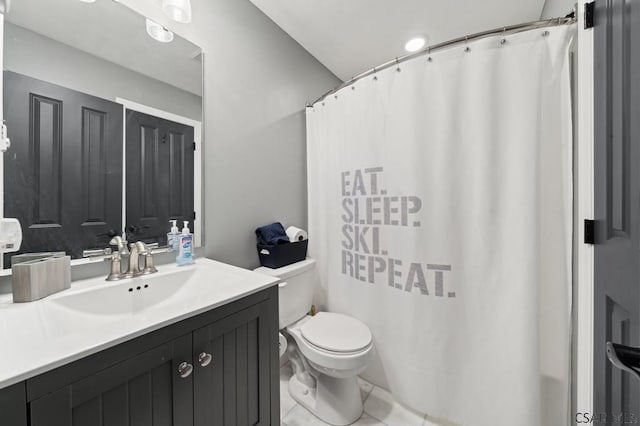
{"type": "Point", "coordinates": [185, 251]}
{"type": "Point", "coordinates": [173, 237]}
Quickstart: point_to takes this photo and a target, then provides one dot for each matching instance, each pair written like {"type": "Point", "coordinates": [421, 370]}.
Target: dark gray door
{"type": "Point", "coordinates": [63, 172]}
{"type": "Point", "coordinates": [159, 176]}
{"type": "Point", "coordinates": [617, 201]}
{"type": "Point", "coordinates": [144, 390]}
{"type": "Point", "coordinates": [236, 387]}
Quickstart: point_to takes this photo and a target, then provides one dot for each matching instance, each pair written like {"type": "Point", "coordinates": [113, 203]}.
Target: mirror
{"type": "Point", "coordinates": [105, 125]}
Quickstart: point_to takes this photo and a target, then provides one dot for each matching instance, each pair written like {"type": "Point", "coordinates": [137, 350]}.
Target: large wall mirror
{"type": "Point", "coordinates": [104, 112]}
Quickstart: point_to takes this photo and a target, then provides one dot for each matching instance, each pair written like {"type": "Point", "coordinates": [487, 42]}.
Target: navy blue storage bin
{"type": "Point", "coordinates": [282, 254]}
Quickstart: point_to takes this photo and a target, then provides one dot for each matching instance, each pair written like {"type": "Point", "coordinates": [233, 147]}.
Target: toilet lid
{"type": "Point", "coordinates": [336, 332]}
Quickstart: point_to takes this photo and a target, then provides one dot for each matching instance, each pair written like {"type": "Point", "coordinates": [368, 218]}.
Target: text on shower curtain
{"type": "Point", "coordinates": [366, 207]}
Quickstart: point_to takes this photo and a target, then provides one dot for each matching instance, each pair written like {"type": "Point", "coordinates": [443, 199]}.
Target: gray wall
{"type": "Point", "coordinates": [257, 81]}
{"type": "Point", "coordinates": [32, 54]}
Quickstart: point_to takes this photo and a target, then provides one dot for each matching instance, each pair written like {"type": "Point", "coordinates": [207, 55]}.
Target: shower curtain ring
{"type": "Point", "coordinates": [398, 69]}
{"type": "Point", "coordinates": [466, 41]}
{"type": "Point", "coordinates": [504, 37]}
{"type": "Point", "coordinates": [429, 58]}
{"type": "Point", "coordinates": [375, 77]}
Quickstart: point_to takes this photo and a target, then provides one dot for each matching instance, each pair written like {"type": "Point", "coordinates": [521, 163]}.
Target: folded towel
{"type": "Point", "coordinates": [271, 235]}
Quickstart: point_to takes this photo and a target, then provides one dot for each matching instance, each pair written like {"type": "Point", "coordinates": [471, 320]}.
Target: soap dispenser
{"type": "Point", "coordinates": [173, 237]}
{"type": "Point", "coordinates": [185, 250]}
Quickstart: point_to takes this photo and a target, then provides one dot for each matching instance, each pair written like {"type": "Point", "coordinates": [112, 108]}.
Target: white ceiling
{"type": "Point", "coordinates": [115, 33]}
{"type": "Point", "coordinates": [352, 36]}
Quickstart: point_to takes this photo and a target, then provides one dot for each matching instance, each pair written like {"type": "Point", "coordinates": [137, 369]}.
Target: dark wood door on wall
{"type": "Point", "coordinates": [160, 158]}
{"type": "Point", "coordinates": [617, 203]}
{"type": "Point", "coordinates": [63, 172]}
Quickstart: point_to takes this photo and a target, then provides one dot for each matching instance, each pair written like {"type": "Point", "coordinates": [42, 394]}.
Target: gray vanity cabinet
{"type": "Point", "coordinates": [144, 390]}
{"type": "Point", "coordinates": [217, 368]}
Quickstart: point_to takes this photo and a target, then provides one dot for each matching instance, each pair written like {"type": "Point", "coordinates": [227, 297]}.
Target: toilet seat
{"type": "Point", "coordinates": [323, 359]}
{"type": "Point", "coordinates": [334, 332]}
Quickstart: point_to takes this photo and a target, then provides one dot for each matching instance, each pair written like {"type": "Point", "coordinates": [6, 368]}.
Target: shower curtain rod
{"type": "Point", "coordinates": [512, 29]}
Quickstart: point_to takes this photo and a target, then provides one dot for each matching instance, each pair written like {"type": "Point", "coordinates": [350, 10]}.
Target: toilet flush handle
{"type": "Point", "coordinates": [282, 284]}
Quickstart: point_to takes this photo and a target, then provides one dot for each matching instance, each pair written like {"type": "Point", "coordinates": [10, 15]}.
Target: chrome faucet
{"type": "Point", "coordinates": [140, 249]}
{"type": "Point", "coordinates": [116, 259]}
{"type": "Point", "coordinates": [133, 268]}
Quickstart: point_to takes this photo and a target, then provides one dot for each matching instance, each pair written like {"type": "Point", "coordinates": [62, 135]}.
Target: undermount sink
{"type": "Point", "coordinates": [128, 296]}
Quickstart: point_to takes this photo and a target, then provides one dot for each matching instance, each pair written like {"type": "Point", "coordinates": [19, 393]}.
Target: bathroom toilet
{"type": "Point", "coordinates": [327, 351]}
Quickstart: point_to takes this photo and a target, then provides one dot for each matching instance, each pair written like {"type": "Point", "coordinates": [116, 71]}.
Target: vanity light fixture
{"type": "Point", "coordinates": [158, 32]}
{"type": "Point", "coordinates": [178, 10]}
{"type": "Point", "coordinates": [415, 44]}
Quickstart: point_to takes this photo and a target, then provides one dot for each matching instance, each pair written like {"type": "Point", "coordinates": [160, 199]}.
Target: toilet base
{"type": "Point", "coordinates": [334, 401]}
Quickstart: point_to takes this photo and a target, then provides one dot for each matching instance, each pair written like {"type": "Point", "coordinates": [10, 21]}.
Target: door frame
{"type": "Point", "coordinates": [583, 286]}
{"type": "Point", "coordinates": [197, 158]}
{"type": "Point", "coordinates": [1, 121]}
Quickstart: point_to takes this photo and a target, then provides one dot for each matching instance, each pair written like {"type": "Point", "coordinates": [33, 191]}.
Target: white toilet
{"type": "Point", "coordinates": [327, 351]}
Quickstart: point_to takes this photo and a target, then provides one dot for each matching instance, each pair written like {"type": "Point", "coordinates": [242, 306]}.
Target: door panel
{"type": "Point", "coordinates": [159, 176]}
{"type": "Point", "coordinates": [143, 391]}
{"type": "Point", "coordinates": [63, 172]}
{"type": "Point", "coordinates": [235, 388]}
{"type": "Point", "coordinates": [617, 201]}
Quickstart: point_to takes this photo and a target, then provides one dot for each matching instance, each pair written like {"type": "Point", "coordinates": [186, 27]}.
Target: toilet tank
{"type": "Point", "coordinates": [295, 292]}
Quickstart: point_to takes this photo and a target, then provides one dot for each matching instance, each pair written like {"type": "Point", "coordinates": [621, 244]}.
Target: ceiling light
{"type": "Point", "coordinates": [414, 44]}
{"type": "Point", "coordinates": [178, 10]}
{"type": "Point", "coordinates": [88, 1]}
{"type": "Point", "coordinates": [158, 32]}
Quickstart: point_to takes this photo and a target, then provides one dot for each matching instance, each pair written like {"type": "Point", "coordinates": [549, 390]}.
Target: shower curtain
{"type": "Point", "coordinates": [440, 200]}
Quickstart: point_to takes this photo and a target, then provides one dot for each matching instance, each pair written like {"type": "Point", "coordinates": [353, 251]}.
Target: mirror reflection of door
{"type": "Point", "coordinates": [617, 204]}
{"type": "Point", "coordinates": [159, 176]}
{"type": "Point", "coordinates": [63, 173]}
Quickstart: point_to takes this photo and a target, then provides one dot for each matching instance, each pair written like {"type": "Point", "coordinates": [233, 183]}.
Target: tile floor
{"type": "Point", "coordinates": [379, 408]}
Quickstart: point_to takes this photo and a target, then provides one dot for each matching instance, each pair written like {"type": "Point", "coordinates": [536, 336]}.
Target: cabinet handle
{"type": "Point", "coordinates": [204, 359]}
{"type": "Point", "coordinates": [185, 369]}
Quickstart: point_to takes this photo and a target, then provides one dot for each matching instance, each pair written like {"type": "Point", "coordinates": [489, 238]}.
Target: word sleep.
{"type": "Point", "coordinates": [395, 273]}
{"type": "Point", "coordinates": [392, 210]}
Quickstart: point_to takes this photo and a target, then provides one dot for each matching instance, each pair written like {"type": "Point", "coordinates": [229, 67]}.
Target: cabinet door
{"type": "Point", "coordinates": [235, 388]}
{"type": "Point", "coordinates": [13, 405]}
{"type": "Point", "coordinates": [146, 390]}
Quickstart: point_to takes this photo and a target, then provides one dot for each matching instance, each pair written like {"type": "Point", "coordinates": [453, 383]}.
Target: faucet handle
{"type": "Point", "coordinates": [149, 267]}
{"type": "Point", "coordinates": [121, 244]}
{"type": "Point", "coordinates": [142, 247]}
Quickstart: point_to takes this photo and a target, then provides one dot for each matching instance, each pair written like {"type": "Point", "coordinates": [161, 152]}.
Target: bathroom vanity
{"type": "Point", "coordinates": [185, 346]}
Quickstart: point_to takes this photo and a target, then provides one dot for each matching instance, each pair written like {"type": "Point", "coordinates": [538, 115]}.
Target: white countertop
{"type": "Point", "coordinates": [39, 336]}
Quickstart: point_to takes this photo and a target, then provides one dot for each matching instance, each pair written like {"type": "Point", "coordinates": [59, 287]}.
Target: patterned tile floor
{"type": "Point", "coordinates": [379, 408]}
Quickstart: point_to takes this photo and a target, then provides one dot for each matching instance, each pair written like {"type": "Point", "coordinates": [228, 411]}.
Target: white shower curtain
{"type": "Point", "coordinates": [440, 199]}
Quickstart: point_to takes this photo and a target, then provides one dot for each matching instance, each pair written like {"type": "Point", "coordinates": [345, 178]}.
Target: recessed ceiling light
{"type": "Point", "coordinates": [178, 10]}
{"type": "Point", "coordinates": [158, 32]}
{"type": "Point", "coordinates": [414, 44]}
{"type": "Point", "coordinates": [88, 1]}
